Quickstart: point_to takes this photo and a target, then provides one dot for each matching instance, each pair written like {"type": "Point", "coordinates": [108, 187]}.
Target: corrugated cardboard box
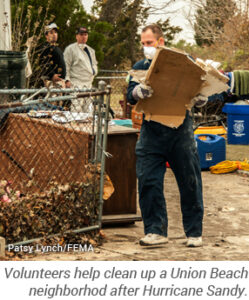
{"type": "Point", "coordinates": [175, 79]}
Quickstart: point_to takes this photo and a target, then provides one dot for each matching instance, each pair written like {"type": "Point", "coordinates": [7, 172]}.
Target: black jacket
{"type": "Point", "coordinates": [51, 61]}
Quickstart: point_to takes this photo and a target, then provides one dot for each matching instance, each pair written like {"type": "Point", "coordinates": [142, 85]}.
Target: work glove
{"type": "Point", "coordinates": [142, 91]}
{"type": "Point", "coordinates": [199, 101]}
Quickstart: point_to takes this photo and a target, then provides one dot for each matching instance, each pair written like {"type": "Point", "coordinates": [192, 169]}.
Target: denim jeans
{"type": "Point", "coordinates": [158, 144]}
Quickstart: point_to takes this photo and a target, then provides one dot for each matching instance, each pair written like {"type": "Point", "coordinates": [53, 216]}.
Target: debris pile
{"type": "Point", "coordinates": [59, 209]}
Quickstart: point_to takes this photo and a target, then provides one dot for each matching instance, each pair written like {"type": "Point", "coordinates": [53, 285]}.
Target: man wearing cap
{"type": "Point", "coordinates": [81, 67]}
{"type": "Point", "coordinates": [80, 61]}
{"type": "Point", "coordinates": [51, 58]}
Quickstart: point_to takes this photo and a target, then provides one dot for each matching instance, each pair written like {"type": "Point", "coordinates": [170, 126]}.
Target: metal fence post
{"type": "Point", "coordinates": [103, 154]}
{"type": "Point", "coordinates": [101, 87]}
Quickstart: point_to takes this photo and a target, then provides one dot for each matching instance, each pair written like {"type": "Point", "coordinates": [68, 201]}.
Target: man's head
{"type": "Point", "coordinates": [81, 35]}
{"type": "Point", "coordinates": [152, 36]}
{"type": "Point", "coordinates": [51, 33]}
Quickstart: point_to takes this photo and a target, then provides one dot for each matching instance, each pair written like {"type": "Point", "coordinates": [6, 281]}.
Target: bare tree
{"type": "Point", "coordinates": [210, 19]}
{"type": "Point", "coordinates": [111, 9]}
{"type": "Point", "coordinates": [160, 8]}
{"type": "Point", "coordinates": [231, 44]}
{"type": "Point", "coordinates": [225, 11]}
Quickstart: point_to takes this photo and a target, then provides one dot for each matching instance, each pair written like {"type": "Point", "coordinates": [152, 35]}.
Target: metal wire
{"type": "Point", "coordinates": [117, 81]}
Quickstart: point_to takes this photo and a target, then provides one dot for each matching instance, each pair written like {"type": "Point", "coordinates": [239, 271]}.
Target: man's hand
{"type": "Point", "coordinates": [199, 100]}
{"type": "Point", "coordinates": [56, 77]}
{"type": "Point", "coordinates": [142, 91]}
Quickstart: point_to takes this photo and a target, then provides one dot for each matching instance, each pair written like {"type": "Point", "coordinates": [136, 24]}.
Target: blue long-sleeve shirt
{"type": "Point", "coordinates": [143, 64]}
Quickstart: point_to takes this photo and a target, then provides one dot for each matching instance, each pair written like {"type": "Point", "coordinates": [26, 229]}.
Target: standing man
{"type": "Point", "coordinates": [51, 58]}
{"type": "Point", "coordinates": [158, 144]}
{"type": "Point", "coordinates": [80, 61]}
{"type": "Point", "coordinates": [81, 66]}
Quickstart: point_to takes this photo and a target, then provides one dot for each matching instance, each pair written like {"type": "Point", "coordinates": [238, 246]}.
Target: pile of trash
{"type": "Point", "coordinates": [59, 209]}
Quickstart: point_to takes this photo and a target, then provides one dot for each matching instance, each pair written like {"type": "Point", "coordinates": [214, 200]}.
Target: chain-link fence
{"type": "Point", "coordinates": [52, 160]}
{"type": "Point", "coordinates": [117, 80]}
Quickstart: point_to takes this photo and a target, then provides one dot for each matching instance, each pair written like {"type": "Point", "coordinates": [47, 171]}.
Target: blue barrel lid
{"type": "Point", "coordinates": [210, 138]}
{"type": "Point", "coordinates": [235, 109]}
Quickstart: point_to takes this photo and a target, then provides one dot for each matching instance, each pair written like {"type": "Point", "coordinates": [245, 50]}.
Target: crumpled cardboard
{"type": "Point", "coordinates": [176, 79]}
{"type": "Point", "coordinates": [215, 82]}
{"type": "Point", "coordinates": [108, 189]}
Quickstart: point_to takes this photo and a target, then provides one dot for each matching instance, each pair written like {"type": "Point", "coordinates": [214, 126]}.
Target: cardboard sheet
{"type": "Point", "coordinates": [175, 79]}
{"type": "Point", "coordinates": [215, 81]}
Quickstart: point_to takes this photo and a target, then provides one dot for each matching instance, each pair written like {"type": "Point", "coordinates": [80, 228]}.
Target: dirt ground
{"type": "Point", "coordinates": [226, 224]}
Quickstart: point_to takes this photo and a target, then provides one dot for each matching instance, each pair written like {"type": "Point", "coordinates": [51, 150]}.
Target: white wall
{"type": "Point", "coordinates": [5, 25]}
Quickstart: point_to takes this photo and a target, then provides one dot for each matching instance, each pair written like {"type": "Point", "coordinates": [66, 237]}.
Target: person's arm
{"type": "Point", "coordinates": [62, 65]}
{"type": "Point", "coordinates": [68, 57]}
{"type": "Point", "coordinates": [95, 64]}
{"type": "Point", "coordinates": [131, 86]}
{"type": "Point", "coordinates": [135, 90]}
{"type": "Point", "coordinates": [49, 63]}
{"type": "Point", "coordinates": [44, 61]}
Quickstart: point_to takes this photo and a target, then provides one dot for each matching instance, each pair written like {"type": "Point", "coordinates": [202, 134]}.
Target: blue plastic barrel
{"type": "Point", "coordinates": [237, 123]}
{"type": "Point", "coordinates": [211, 150]}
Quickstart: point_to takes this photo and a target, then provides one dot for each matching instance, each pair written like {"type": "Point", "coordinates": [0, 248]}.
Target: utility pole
{"type": "Point", "coordinates": [5, 25]}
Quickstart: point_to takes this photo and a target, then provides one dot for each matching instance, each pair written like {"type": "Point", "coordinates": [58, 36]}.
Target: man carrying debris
{"type": "Point", "coordinates": [51, 58]}
{"type": "Point", "coordinates": [158, 144]}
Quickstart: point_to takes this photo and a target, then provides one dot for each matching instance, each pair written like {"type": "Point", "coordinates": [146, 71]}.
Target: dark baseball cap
{"type": "Point", "coordinates": [81, 30]}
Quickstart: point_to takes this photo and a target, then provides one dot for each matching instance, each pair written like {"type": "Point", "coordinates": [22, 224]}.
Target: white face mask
{"type": "Point", "coordinates": [149, 52]}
